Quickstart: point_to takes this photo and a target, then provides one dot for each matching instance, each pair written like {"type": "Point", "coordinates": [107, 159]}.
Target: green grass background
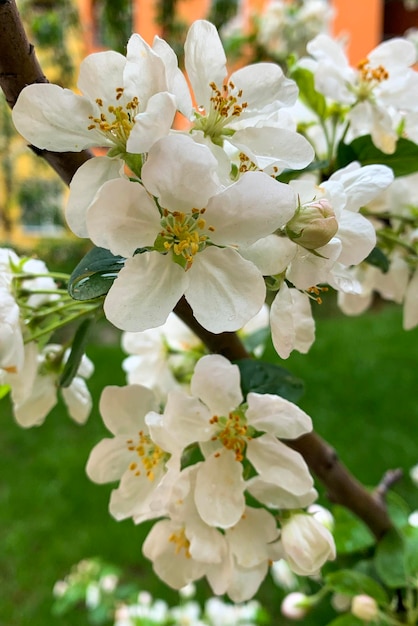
{"type": "Point", "coordinates": [360, 389]}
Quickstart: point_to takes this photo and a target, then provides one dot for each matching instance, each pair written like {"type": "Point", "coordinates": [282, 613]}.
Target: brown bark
{"type": "Point", "coordinates": [19, 67]}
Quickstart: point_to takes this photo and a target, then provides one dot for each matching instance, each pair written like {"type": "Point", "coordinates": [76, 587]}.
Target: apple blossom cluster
{"type": "Point", "coordinates": [212, 469]}
{"type": "Point", "coordinates": [199, 213]}
{"type": "Point", "coordinates": [30, 366]}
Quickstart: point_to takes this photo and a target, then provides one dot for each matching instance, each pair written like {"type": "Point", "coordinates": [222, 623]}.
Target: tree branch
{"type": "Point", "coordinates": [19, 67]}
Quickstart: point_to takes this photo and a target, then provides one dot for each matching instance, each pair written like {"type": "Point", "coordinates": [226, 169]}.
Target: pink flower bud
{"type": "Point", "coordinates": [313, 225]}
{"type": "Point", "coordinates": [295, 605]}
{"type": "Point", "coordinates": [364, 607]}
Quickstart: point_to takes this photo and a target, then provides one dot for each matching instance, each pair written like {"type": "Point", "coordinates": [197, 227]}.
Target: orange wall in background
{"type": "Point", "coordinates": [359, 21]}
{"type": "Point", "coordinates": [362, 22]}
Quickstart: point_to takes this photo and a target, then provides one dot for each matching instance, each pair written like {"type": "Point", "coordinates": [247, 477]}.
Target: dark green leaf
{"type": "Point", "coordinates": [94, 275]}
{"type": "Point", "coordinates": [351, 535]}
{"type": "Point", "coordinates": [262, 377]}
{"type": "Point", "coordinates": [389, 560]}
{"type": "Point", "coordinates": [352, 583]}
{"type": "Point", "coordinates": [411, 551]}
{"type": "Point", "coordinates": [398, 509]}
{"type": "Point", "coordinates": [307, 92]}
{"type": "Point", "coordinates": [77, 351]}
{"type": "Point", "coordinates": [378, 258]}
{"type": "Point", "coordinates": [403, 161]}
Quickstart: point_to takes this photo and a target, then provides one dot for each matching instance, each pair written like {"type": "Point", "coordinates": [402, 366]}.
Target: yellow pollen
{"type": "Point", "coordinates": [181, 542]}
{"type": "Point", "coordinates": [372, 74]}
{"type": "Point", "coordinates": [181, 233]}
{"type": "Point", "coordinates": [117, 122]}
{"type": "Point", "coordinates": [314, 293]}
{"type": "Point", "coordinates": [233, 434]}
{"type": "Point", "coordinates": [150, 455]}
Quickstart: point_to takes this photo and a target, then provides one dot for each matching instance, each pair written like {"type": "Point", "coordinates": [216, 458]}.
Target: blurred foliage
{"type": "Point", "coordinates": [114, 21]}
{"type": "Point", "coordinates": [50, 24]}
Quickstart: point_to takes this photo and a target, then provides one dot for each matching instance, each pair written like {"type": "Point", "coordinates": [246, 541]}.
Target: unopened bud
{"type": "Point", "coordinates": [364, 607]}
{"type": "Point", "coordinates": [295, 605]}
{"type": "Point", "coordinates": [313, 225]}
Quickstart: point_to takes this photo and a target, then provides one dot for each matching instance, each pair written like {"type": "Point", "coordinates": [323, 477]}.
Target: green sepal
{"type": "Point", "coordinates": [77, 352]}
{"type": "Point", "coordinates": [94, 275]}
{"type": "Point", "coordinates": [262, 377]}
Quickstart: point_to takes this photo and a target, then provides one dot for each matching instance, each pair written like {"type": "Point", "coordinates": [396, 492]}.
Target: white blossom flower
{"type": "Point", "coordinates": [234, 111]}
{"type": "Point", "coordinates": [306, 543]}
{"type": "Point", "coordinates": [382, 85]}
{"type": "Point", "coordinates": [215, 417]}
{"type": "Point", "coordinates": [131, 456]}
{"type": "Point", "coordinates": [34, 389]}
{"type": "Point", "coordinates": [158, 356]}
{"type": "Point", "coordinates": [124, 101]}
{"type": "Point", "coordinates": [190, 248]}
{"type": "Point", "coordinates": [11, 338]}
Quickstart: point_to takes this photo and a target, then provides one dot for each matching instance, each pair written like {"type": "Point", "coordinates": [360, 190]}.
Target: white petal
{"type": "Point", "coordinates": [277, 416]}
{"type": "Point", "coordinates": [292, 324]}
{"type": "Point", "coordinates": [362, 184]}
{"type": "Point", "coordinates": [246, 582]}
{"type": "Point", "coordinates": [277, 463]}
{"type": "Point", "coordinates": [358, 237]}
{"type": "Point", "coordinates": [274, 496]}
{"type": "Point", "coordinates": [216, 382]}
{"type": "Point", "coordinates": [34, 410]}
{"type": "Point", "coordinates": [219, 492]}
{"type": "Point", "coordinates": [123, 408]}
{"type": "Point", "coordinates": [268, 146]}
{"type": "Point", "coordinates": [180, 173]}
{"type": "Point", "coordinates": [154, 123]}
{"type": "Point", "coordinates": [146, 290]}
{"type": "Point", "coordinates": [263, 84]}
{"type": "Point", "coordinates": [185, 421]}
{"type": "Point", "coordinates": [251, 208]}
{"type": "Point", "coordinates": [204, 59]}
{"type": "Point", "coordinates": [122, 217]}
{"type": "Point", "coordinates": [100, 74]}
{"type": "Point", "coordinates": [108, 460]}
{"type": "Point", "coordinates": [270, 254]}
{"type": "Point", "coordinates": [83, 187]}
{"type": "Point", "coordinates": [249, 539]}
{"type": "Point", "coordinates": [144, 73]}
{"type": "Point", "coordinates": [55, 119]}
{"type": "Point", "coordinates": [225, 290]}
{"type": "Point", "coordinates": [78, 400]}
{"type": "Point", "coordinates": [176, 81]}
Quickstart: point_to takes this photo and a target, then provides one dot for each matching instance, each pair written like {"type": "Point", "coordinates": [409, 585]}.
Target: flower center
{"type": "Point", "coordinates": [183, 234]}
{"type": "Point", "coordinates": [150, 455]}
{"type": "Point", "coordinates": [181, 543]}
{"type": "Point", "coordinates": [234, 432]}
{"type": "Point", "coordinates": [116, 122]}
{"type": "Point", "coordinates": [225, 106]}
{"type": "Point", "coordinates": [369, 78]}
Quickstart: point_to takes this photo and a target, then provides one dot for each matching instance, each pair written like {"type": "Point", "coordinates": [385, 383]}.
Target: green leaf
{"type": "Point", "coordinates": [346, 620]}
{"type": "Point", "coordinates": [403, 161]}
{"type": "Point", "coordinates": [411, 551]}
{"type": "Point", "coordinates": [4, 390]}
{"type": "Point", "coordinates": [262, 377]}
{"type": "Point", "coordinates": [352, 583]}
{"type": "Point", "coordinates": [307, 92]}
{"type": "Point", "coordinates": [389, 560]}
{"type": "Point", "coordinates": [77, 351]}
{"type": "Point", "coordinates": [398, 509]}
{"type": "Point", "coordinates": [351, 535]}
{"type": "Point", "coordinates": [94, 275]}
{"type": "Point", "coordinates": [378, 258]}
